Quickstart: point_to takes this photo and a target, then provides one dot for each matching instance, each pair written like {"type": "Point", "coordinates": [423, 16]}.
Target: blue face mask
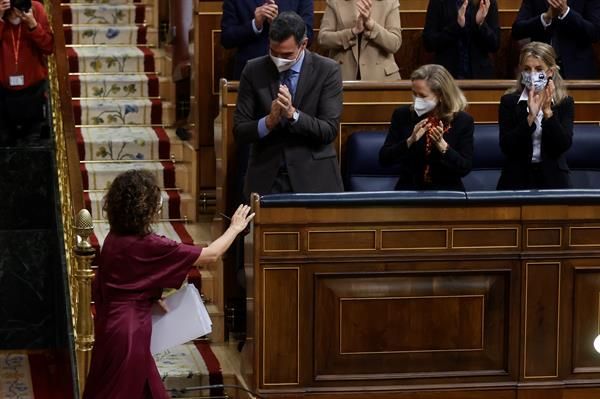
{"type": "Point", "coordinates": [536, 80]}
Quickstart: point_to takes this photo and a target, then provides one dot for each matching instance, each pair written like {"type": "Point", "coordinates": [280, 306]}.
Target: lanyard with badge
{"type": "Point", "coordinates": [16, 79]}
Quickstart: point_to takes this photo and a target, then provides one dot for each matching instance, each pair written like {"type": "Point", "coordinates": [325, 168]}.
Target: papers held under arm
{"type": "Point", "coordinates": [186, 319]}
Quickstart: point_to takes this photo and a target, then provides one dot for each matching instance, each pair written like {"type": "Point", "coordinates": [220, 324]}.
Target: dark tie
{"type": "Point", "coordinates": [286, 79]}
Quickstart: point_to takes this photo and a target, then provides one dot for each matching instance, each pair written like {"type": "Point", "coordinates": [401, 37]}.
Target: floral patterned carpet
{"type": "Point", "coordinates": [122, 120]}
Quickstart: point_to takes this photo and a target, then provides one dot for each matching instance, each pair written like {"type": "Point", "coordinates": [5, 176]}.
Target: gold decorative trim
{"type": "Point", "coordinates": [263, 324]}
{"type": "Point", "coordinates": [265, 233]}
{"type": "Point", "coordinates": [516, 229]}
{"type": "Point", "coordinates": [571, 228]}
{"type": "Point", "coordinates": [447, 231]}
{"type": "Point", "coordinates": [348, 299]}
{"type": "Point", "coordinates": [560, 235]}
{"type": "Point", "coordinates": [525, 376]}
{"type": "Point", "coordinates": [375, 235]}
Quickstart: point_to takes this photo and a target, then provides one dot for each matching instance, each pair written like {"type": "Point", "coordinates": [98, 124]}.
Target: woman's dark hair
{"type": "Point", "coordinates": [132, 202]}
{"type": "Point", "coordinates": [287, 24]}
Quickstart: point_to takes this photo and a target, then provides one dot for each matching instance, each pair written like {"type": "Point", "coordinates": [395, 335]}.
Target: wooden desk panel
{"type": "Point", "coordinates": [421, 321]}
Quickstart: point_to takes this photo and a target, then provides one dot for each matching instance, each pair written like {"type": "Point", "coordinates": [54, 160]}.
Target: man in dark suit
{"type": "Point", "coordinates": [245, 26]}
{"type": "Point", "coordinates": [570, 28]}
{"type": "Point", "coordinates": [288, 110]}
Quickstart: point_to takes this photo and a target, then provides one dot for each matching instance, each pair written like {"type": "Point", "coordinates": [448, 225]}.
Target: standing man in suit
{"type": "Point", "coordinates": [569, 26]}
{"type": "Point", "coordinates": [245, 26]}
{"type": "Point", "coordinates": [288, 110]}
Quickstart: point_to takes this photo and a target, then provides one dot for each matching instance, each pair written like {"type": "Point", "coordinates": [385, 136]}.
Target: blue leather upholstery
{"type": "Point", "coordinates": [583, 157]}
{"type": "Point", "coordinates": [362, 171]}
{"type": "Point", "coordinates": [487, 159]}
{"type": "Point", "coordinates": [443, 198]}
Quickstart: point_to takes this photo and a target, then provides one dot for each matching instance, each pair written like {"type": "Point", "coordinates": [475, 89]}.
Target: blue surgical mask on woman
{"type": "Point", "coordinates": [423, 105]}
{"type": "Point", "coordinates": [536, 80]}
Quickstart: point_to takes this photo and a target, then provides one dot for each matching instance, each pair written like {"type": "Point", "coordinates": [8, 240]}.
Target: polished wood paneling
{"type": "Point", "coordinates": [355, 240]}
{"type": "Point", "coordinates": [281, 338]}
{"type": "Point", "coordinates": [541, 319]}
{"type": "Point", "coordinates": [424, 238]}
{"type": "Point", "coordinates": [281, 241]}
{"type": "Point", "coordinates": [392, 326]}
{"type": "Point", "coordinates": [485, 238]}
{"type": "Point", "coordinates": [543, 237]}
{"type": "Point", "coordinates": [584, 236]}
{"type": "Point", "coordinates": [586, 318]}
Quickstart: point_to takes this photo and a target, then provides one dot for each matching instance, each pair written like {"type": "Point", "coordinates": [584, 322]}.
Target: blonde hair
{"type": "Point", "coordinates": [451, 98]}
{"type": "Point", "coordinates": [546, 54]}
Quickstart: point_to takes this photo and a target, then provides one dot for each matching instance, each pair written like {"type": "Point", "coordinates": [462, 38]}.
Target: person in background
{"type": "Point", "coordinates": [25, 41]}
{"type": "Point", "coordinates": [463, 34]}
{"type": "Point", "coordinates": [363, 36]}
{"type": "Point", "coordinates": [570, 27]}
{"type": "Point", "coordinates": [536, 124]}
{"type": "Point", "coordinates": [245, 26]}
{"type": "Point", "coordinates": [432, 139]}
{"type": "Point", "coordinates": [288, 110]}
{"type": "Point", "coordinates": [134, 266]}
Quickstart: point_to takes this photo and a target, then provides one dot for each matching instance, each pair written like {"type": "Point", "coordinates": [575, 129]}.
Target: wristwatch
{"type": "Point", "coordinates": [294, 117]}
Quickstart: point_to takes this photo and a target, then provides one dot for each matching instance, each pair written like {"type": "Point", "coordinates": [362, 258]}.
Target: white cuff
{"type": "Point", "coordinates": [256, 30]}
{"type": "Point", "coordinates": [561, 17]}
{"type": "Point", "coordinates": [544, 21]}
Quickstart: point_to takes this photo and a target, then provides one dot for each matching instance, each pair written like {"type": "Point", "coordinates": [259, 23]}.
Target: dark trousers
{"type": "Point", "coordinates": [25, 111]}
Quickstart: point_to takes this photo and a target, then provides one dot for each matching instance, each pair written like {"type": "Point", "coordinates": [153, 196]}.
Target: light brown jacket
{"type": "Point", "coordinates": [377, 46]}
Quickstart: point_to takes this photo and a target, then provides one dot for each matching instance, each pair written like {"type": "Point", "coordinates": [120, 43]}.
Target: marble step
{"type": "Point", "coordinates": [109, 35]}
{"type": "Point", "coordinates": [106, 85]}
{"type": "Point", "coordinates": [106, 14]}
{"type": "Point", "coordinates": [176, 205]}
{"type": "Point", "coordinates": [118, 111]}
{"type": "Point", "coordinates": [107, 59]}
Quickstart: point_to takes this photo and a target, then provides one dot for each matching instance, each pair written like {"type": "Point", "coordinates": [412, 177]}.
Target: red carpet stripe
{"type": "Point", "coordinates": [174, 204]}
{"type": "Point", "coordinates": [153, 86]}
{"type": "Point", "coordinates": [168, 174]}
{"type": "Point", "coordinates": [73, 60]}
{"type": "Point", "coordinates": [184, 236]}
{"type": "Point", "coordinates": [214, 368]}
{"type": "Point", "coordinates": [50, 375]}
{"type": "Point", "coordinates": [141, 35]}
{"type": "Point", "coordinates": [156, 113]}
{"type": "Point", "coordinates": [75, 84]}
{"type": "Point", "coordinates": [140, 14]}
{"type": "Point", "coordinates": [85, 182]}
{"type": "Point", "coordinates": [77, 111]}
{"type": "Point", "coordinates": [80, 143]}
{"type": "Point", "coordinates": [164, 145]}
{"type": "Point", "coordinates": [148, 59]}
{"type": "Point", "coordinates": [67, 16]}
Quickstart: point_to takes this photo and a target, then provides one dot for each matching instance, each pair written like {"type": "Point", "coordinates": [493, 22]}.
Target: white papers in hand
{"type": "Point", "coordinates": [186, 319]}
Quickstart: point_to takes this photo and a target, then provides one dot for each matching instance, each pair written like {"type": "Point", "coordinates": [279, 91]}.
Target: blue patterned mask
{"type": "Point", "coordinates": [535, 80]}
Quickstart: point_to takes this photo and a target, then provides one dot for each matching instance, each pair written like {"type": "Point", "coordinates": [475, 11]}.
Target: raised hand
{"type": "Point", "coordinates": [274, 115]}
{"type": "Point", "coordinates": [266, 12]}
{"type": "Point", "coordinates": [27, 17]}
{"type": "Point", "coordinates": [364, 10]}
{"type": "Point", "coordinates": [284, 99]}
{"type": "Point", "coordinates": [559, 6]}
{"type": "Point", "coordinates": [482, 11]}
{"type": "Point", "coordinates": [549, 95]}
{"type": "Point", "coordinates": [241, 218]}
{"type": "Point", "coordinates": [534, 102]}
{"type": "Point", "coordinates": [462, 11]}
{"type": "Point", "coordinates": [418, 132]}
{"type": "Point", "coordinates": [4, 6]}
{"type": "Point", "coordinates": [436, 133]}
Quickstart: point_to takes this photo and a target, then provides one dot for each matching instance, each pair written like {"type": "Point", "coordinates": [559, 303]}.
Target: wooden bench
{"type": "Point", "coordinates": [369, 106]}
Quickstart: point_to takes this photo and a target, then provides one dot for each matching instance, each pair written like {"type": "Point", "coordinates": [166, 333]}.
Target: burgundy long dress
{"type": "Point", "coordinates": [132, 271]}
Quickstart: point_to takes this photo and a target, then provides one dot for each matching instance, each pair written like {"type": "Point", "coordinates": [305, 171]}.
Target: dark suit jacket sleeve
{"type": "Point", "coordinates": [488, 33]}
{"type": "Point", "coordinates": [235, 31]}
{"type": "Point", "coordinates": [395, 149]}
{"type": "Point", "coordinates": [515, 132]}
{"type": "Point", "coordinates": [528, 23]}
{"type": "Point", "coordinates": [582, 27]}
{"type": "Point", "coordinates": [323, 127]}
{"type": "Point", "coordinates": [557, 131]}
{"type": "Point", "coordinates": [459, 159]}
{"type": "Point", "coordinates": [305, 10]}
{"type": "Point", "coordinates": [245, 127]}
{"type": "Point", "coordinates": [438, 33]}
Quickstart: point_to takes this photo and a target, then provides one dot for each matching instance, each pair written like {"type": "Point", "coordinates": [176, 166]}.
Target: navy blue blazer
{"type": "Point", "coordinates": [237, 31]}
{"type": "Point", "coordinates": [571, 37]}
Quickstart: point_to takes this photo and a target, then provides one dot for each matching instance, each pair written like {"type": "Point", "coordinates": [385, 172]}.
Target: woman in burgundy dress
{"type": "Point", "coordinates": [133, 268]}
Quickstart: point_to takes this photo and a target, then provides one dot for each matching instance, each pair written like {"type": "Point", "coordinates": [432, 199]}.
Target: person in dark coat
{"type": "Point", "coordinates": [463, 35]}
{"type": "Point", "coordinates": [536, 124]}
{"type": "Point", "coordinates": [432, 139]}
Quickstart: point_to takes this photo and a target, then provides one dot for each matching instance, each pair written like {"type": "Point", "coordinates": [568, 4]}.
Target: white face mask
{"type": "Point", "coordinates": [14, 20]}
{"type": "Point", "coordinates": [283, 64]}
{"type": "Point", "coordinates": [423, 105]}
{"type": "Point", "coordinates": [534, 80]}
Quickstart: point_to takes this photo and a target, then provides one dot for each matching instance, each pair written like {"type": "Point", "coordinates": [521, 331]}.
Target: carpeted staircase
{"type": "Point", "coordinates": [122, 102]}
